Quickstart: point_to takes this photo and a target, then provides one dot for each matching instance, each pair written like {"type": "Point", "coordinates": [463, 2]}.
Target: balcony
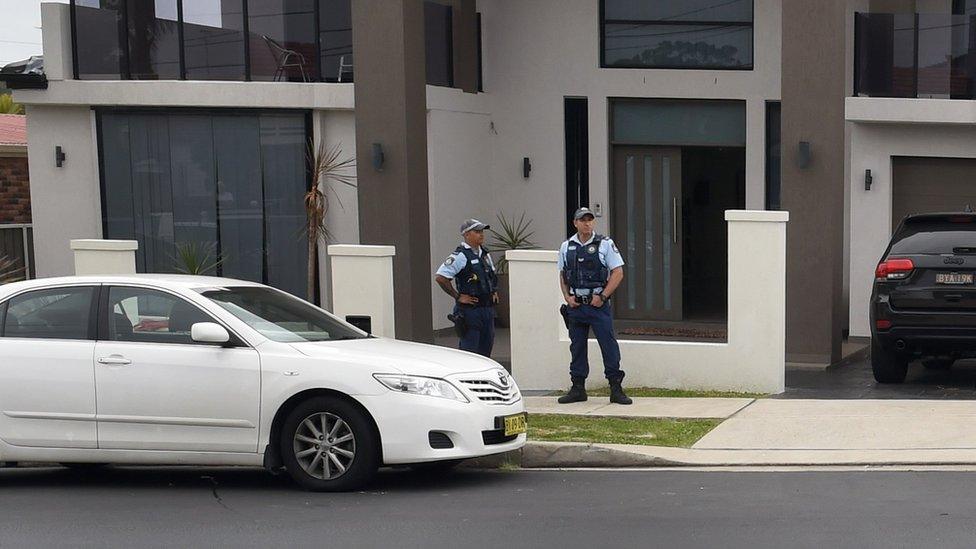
{"type": "Point", "coordinates": [915, 55]}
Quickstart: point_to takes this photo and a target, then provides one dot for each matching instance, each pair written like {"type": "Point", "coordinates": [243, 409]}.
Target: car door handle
{"type": "Point", "coordinates": [114, 359]}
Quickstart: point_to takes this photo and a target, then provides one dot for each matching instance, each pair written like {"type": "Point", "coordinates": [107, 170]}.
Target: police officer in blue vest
{"type": "Point", "coordinates": [591, 269]}
{"type": "Point", "coordinates": [472, 270]}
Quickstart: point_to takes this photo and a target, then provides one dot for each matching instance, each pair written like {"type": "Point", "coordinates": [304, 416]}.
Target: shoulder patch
{"type": "Point", "coordinates": [449, 261]}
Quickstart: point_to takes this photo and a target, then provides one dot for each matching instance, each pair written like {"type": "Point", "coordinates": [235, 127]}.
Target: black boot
{"type": "Point", "coordinates": [577, 393]}
{"type": "Point", "coordinates": [617, 395]}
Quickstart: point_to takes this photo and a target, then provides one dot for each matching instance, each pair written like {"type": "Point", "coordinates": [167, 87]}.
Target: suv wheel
{"type": "Point", "coordinates": [328, 445]}
{"type": "Point", "coordinates": [888, 365]}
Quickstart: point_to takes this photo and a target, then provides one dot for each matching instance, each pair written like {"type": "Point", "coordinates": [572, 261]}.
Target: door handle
{"type": "Point", "coordinates": [674, 219]}
{"type": "Point", "coordinates": [114, 359]}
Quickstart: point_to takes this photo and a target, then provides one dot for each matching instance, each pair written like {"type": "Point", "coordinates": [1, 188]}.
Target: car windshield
{"type": "Point", "coordinates": [279, 316]}
{"type": "Point", "coordinates": [934, 237]}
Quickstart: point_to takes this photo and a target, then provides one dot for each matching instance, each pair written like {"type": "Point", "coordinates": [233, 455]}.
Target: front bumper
{"type": "Point", "coordinates": [405, 422]}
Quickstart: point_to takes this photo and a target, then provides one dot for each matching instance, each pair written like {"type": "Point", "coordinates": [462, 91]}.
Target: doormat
{"type": "Point", "coordinates": [677, 331]}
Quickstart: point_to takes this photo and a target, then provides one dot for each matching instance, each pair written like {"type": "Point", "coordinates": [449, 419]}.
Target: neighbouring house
{"type": "Point", "coordinates": [188, 121]}
{"type": "Point", "coordinates": [15, 206]}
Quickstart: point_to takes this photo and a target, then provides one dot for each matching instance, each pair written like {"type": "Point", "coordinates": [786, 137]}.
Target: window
{"type": "Point", "coordinates": [225, 184]}
{"type": "Point", "coordinates": [150, 316]}
{"type": "Point", "coordinates": [335, 40]}
{"type": "Point", "coordinates": [59, 313]}
{"type": "Point", "coordinates": [699, 123]}
{"type": "Point", "coordinates": [773, 156]}
{"type": "Point", "coordinates": [154, 43]}
{"type": "Point", "coordinates": [438, 40]}
{"type": "Point", "coordinates": [97, 39]}
{"type": "Point", "coordinates": [281, 317]}
{"type": "Point", "coordinates": [213, 39]}
{"type": "Point", "coordinates": [671, 34]}
{"type": "Point", "coordinates": [282, 40]}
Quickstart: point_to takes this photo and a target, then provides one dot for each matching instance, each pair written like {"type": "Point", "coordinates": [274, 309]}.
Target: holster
{"type": "Point", "coordinates": [564, 311]}
{"type": "Point", "coordinates": [460, 323]}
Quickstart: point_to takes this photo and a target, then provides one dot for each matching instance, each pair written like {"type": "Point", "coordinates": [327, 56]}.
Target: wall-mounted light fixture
{"type": "Point", "coordinates": [803, 155]}
{"type": "Point", "coordinates": [868, 180]}
{"type": "Point", "coordinates": [378, 157]}
{"type": "Point", "coordinates": [526, 167]}
{"type": "Point", "coordinates": [59, 156]}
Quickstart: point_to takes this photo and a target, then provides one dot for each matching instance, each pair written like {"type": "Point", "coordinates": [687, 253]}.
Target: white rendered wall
{"type": "Point", "coordinates": [538, 52]}
{"type": "Point", "coordinates": [882, 128]}
{"type": "Point", "coordinates": [752, 360]}
{"type": "Point", "coordinates": [65, 202]}
{"type": "Point", "coordinates": [104, 257]}
{"type": "Point", "coordinates": [362, 284]}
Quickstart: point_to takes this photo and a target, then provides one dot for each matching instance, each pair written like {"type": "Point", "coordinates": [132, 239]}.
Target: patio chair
{"type": "Point", "coordinates": [285, 58]}
{"type": "Point", "coordinates": [345, 68]}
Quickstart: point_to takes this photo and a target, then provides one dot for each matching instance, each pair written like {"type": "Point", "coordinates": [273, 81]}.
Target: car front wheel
{"type": "Point", "coordinates": [328, 445]}
{"type": "Point", "coordinates": [888, 365]}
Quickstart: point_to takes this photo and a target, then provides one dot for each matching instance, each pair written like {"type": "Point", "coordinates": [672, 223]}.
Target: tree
{"type": "Point", "coordinates": [327, 165]}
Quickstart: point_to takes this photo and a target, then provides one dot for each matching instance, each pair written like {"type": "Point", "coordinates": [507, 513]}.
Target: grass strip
{"type": "Point", "coordinates": [668, 393]}
{"type": "Point", "coordinates": [677, 433]}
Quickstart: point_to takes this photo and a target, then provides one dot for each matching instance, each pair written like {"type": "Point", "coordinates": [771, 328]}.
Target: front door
{"type": "Point", "coordinates": [647, 230]}
{"type": "Point", "coordinates": [156, 389]}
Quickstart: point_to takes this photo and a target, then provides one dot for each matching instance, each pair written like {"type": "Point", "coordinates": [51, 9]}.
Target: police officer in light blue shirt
{"type": "Point", "coordinates": [473, 272]}
{"type": "Point", "coordinates": [590, 271]}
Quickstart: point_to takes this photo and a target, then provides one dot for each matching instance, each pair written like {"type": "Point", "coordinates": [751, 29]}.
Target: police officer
{"type": "Point", "coordinates": [591, 269]}
{"type": "Point", "coordinates": [472, 270]}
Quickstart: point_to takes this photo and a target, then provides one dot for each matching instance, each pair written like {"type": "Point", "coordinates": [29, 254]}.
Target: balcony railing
{"type": "Point", "coordinates": [917, 55]}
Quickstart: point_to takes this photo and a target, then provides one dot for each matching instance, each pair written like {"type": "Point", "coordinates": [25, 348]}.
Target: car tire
{"type": "Point", "coordinates": [938, 363]}
{"type": "Point", "coordinates": [346, 462]}
{"type": "Point", "coordinates": [888, 365]}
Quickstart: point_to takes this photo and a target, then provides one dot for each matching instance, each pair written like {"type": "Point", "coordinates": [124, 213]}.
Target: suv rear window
{"type": "Point", "coordinates": [935, 237]}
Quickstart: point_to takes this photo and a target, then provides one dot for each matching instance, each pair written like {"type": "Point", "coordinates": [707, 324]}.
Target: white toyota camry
{"type": "Point", "coordinates": [170, 369]}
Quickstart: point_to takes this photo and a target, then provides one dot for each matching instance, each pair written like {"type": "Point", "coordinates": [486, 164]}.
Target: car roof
{"type": "Point", "coordinates": [171, 281]}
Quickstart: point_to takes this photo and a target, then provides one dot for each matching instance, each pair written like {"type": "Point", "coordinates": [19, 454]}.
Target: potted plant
{"type": "Point", "coordinates": [326, 166]}
{"type": "Point", "coordinates": [195, 258]}
{"type": "Point", "coordinates": [512, 235]}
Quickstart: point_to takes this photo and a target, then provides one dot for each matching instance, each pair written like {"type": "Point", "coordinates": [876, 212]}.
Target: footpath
{"type": "Point", "coordinates": [772, 432]}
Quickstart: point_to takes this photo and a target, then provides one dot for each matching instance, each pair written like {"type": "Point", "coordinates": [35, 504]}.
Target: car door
{"type": "Point", "coordinates": [159, 390]}
{"type": "Point", "coordinates": [47, 386]}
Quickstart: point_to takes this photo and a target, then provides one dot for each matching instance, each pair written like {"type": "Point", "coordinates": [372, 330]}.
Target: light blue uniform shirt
{"type": "Point", "coordinates": [457, 261]}
{"type": "Point", "coordinates": [609, 256]}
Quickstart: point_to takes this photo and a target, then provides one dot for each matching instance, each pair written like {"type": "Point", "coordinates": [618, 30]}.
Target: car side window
{"type": "Point", "coordinates": [150, 316]}
{"type": "Point", "coordinates": [56, 313]}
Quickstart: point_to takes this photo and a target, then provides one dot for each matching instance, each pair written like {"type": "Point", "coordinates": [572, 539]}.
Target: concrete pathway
{"type": "Point", "coordinates": [770, 432]}
{"type": "Point", "coordinates": [679, 408]}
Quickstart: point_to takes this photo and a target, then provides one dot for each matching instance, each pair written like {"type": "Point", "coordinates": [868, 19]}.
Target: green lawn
{"type": "Point", "coordinates": [680, 433]}
{"type": "Point", "coordinates": [669, 393]}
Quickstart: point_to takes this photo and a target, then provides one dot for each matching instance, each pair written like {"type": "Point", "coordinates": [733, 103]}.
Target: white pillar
{"type": "Point", "coordinates": [362, 284]}
{"type": "Point", "coordinates": [104, 257]}
{"type": "Point", "coordinates": [56, 41]}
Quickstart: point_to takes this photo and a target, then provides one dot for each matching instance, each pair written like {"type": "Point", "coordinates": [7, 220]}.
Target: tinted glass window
{"type": "Point", "coordinates": [213, 39]}
{"type": "Point", "coordinates": [669, 34]}
{"type": "Point", "coordinates": [98, 34]}
{"type": "Point", "coordinates": [282, 40]}
{"type": "Point", "coordinates": [61, 313]}
{"type": "Point", "coordinates": [154, 42]}
{"type": "Point", "coordinates": [938, 237]}
{"type": "Point", "coordinates": [149, 316]}
{"type": "Point", "coordinates": [438, 37]}
{"type": "Point", "coordinates": [335, 38]}
{"type": "Point", "coordinates": [281, 317]}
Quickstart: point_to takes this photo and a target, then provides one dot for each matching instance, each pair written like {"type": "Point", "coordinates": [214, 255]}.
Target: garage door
{"type": "Point", "coordinates": [925, 185]}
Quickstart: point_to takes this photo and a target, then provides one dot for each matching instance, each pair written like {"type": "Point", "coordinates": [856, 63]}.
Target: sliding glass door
{"type": "Point", "coordinates": [228, 183]}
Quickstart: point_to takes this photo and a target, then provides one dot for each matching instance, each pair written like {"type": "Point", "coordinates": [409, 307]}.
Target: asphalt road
{"type": "Point", "coordinates": [222, 507]}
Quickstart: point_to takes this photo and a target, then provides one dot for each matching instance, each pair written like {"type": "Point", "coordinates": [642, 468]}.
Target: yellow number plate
{"type": "Point", "coordinates": [515, 425]}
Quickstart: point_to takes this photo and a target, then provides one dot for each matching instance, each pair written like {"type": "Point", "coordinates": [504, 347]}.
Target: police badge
{"type": "Point", "coordinates": [591, 249]}
{"type": "Point", "coordinates": [449, 261]}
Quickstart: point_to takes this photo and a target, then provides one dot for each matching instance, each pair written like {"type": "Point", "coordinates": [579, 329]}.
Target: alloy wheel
{"type": "Point", "coordinates": [324, 445]}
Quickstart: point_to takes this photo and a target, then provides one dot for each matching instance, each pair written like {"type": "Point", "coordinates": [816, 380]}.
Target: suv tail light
{"type": "Point", "coordinates": [894, 269]}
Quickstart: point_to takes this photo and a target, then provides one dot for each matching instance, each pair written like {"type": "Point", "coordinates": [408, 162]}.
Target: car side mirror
{"type": "Point", "coordinates": [209, 332]}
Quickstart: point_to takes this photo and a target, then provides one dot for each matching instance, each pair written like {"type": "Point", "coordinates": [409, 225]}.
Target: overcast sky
{"type": "Point", "coordinates": [20, 29]}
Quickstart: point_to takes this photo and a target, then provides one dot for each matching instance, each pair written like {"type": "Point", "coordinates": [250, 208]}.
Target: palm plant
{"type": "Point", "coordinates": [9, 271]}
{"type": "Point", "coordinates": [195, 258]}
{"type": "Point", "coordinates": [7, 105]}
{"type": "Point", "coordinates": [514, 235]}
{"type": "Point", "coordinates": [327, 165]}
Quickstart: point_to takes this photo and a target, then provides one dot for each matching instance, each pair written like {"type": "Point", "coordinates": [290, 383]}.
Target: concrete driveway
{"type": "Point", "coordinates": [855, 381]}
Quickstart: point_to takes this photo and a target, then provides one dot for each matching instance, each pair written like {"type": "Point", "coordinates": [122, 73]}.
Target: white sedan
{"type": "Point", "coordinates": [170, 369]}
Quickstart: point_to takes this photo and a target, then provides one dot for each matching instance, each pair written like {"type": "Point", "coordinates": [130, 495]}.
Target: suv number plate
{"type": "Point", "coordinates": [953, 278]}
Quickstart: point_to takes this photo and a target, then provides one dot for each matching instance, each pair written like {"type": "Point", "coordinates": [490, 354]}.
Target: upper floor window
{"type": "Point", "coordinates": [672, 34]}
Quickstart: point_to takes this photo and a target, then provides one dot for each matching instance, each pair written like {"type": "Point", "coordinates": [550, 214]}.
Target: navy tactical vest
{"type": "Point", "coordinates": [478, 277]}
{"type": "Point", "coordinates": [583, 269]}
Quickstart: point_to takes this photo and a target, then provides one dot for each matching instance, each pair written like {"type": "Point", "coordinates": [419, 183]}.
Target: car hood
{"type": "Point", "coordinates": [393, 356]}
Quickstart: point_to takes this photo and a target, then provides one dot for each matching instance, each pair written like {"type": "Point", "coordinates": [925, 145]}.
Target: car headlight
{"type": "Point", "coordinates": [419, 385]}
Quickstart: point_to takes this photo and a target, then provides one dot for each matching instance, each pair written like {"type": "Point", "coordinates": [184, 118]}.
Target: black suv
{"type": "Point", "coordinates": [924, 299]}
